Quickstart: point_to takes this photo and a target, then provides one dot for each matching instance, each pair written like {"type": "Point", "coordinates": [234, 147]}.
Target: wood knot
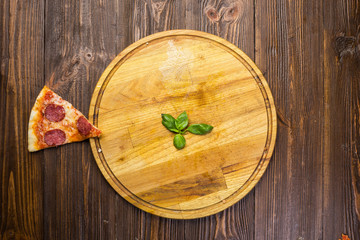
{"type": "Point", "coordinates": [157, 8]}
{"type": "Point", "coordinates": [347, 46]}
{"type": "Point", "coordinates": [212, 14]}
{"type": "Point", "coordinates": [73, 67]}
{"type": "Point", "coordinates": [227, 11]}
{"type": "Point", "coordinates": [232, 12]}
{"type": "Point", "coordinates": [282, 119]}
{"type": "Point", "coordinates": [10, 89]}
{"type": "Point", "coordinates": [89, 57]}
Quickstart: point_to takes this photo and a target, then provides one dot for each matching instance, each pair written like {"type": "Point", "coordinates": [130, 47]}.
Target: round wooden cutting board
{"type": "Point", "coordinates": [215, 83]}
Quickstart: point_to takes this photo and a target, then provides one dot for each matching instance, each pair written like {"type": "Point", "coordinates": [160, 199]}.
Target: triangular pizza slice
{"type": "Point", "coordinates": [54, 121]}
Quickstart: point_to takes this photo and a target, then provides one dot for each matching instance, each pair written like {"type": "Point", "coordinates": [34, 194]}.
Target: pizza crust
{"type": "Point", "coordinates": [32, 139]}
{"type": "Point", "coordinates": [31, 135]}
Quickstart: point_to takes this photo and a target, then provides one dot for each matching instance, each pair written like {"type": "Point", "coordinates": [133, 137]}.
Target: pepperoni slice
{"type": "Point", "coordinates": [54, 137]}
{"type": "Point", "coordinates": [83, 126]}
{"type": "Point", "coordinates": [54, 113]}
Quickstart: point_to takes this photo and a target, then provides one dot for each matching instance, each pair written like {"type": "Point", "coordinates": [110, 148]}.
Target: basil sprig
{"type": "Point", "coordinates": [179, 125]}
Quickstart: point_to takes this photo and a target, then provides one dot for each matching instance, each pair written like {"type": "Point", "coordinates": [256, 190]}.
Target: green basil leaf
{"type": "Point", "coordinates": [169, 122]}
{"type": "Point", "coordinates": [182, 121]}
{"type": "Point", "coordinates": [200, 129]}
{"type": "Point", "coordinates": [179, 141]}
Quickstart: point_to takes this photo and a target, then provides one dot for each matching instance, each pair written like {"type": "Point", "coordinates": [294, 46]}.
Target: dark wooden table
{"type": "Point", "coordinates": [309, 52]}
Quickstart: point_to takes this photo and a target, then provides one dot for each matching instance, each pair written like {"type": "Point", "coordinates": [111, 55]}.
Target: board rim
{"type": "Point", "coordinates": [234, 197]}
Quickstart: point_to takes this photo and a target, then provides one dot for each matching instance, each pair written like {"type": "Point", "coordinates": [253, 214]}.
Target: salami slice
{"type": "Point", "coordinates": [83, 126]}
{"type": "Point", "coordinates": [54, 137]}
{"type": "Point", "coordinates": [54, 113]}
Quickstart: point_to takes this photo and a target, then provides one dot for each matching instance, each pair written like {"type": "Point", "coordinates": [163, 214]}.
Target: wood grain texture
{"type": "Point", "coordinates": [298, 83]}
{"type": "Point", "coordinates": [304, 48]}
{"type": "Point", "coordinates": [22, 70]}
{"type": "Point", "coordinates": [339, 74]}
{"type": "Point", "coordinates": [214, 82]}
{"type": "Point", "coordinates": [243, 30]}
{"type": "Point", "coordinates": [308, 52]}
{"type": "Point", "coordinates": [77, 50]}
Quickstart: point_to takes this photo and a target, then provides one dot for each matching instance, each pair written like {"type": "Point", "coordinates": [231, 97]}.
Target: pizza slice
{"type": "Point", "coordinates": [54, 121]}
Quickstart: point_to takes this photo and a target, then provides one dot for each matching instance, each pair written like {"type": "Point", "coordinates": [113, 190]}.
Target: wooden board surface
{"type": "Point", "coordinates": [215, 83]}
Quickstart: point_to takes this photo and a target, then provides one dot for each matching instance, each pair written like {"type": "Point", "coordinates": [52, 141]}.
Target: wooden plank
{"type": "Point", "coordinates": [81, 39]}
{"type": "Point", "coordinates": [312, 159]}
{"type": "Point", "coordinates": [234, 21]}
{"type": "Point", "coordinates": [22, 58]}
{"type": "Point", "coordinates": [150, 17]}
{"type": "Point", "coordinates": [341, 70]}
{"type": "Point", "coordinates": [289, 50]}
